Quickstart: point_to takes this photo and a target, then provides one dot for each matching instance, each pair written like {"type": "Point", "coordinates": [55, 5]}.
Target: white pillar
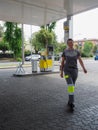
{"type": "Point", "coordinates": [31, 38]}
{"type": "Point", "coordinates": [68, 28]}
{"type": "Point", "coordinates": [32, 64]}
{"type": "Point", "coordinates": [22, 45]}
{"type": "Point", "coordinates": [71, 27]}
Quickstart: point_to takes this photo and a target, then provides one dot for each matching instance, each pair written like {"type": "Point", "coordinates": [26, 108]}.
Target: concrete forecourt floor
{"type": "Point", "coordinates": [40, 103]}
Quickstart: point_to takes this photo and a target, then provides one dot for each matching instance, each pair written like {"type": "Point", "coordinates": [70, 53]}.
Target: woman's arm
{"type": "Point", "coordinates": [62, 67]}
{"type": "Point", "coordinates": [82, 64]}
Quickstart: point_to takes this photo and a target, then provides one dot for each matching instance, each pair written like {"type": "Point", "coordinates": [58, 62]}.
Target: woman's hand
{"type": "Point", "coordinates": [62, 67]}
{"type": "Point", "coordinates": [82, 65]}
{"type": "Point", "coordinates": [85, 71]}
{"type": "Point", "coordinates": [61, 74]}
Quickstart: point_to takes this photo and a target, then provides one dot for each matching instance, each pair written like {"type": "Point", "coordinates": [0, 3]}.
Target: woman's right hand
{"type": "Point", "coordinates": [61, 74]}
{"type": "Point", "coordinates": [85, 71]}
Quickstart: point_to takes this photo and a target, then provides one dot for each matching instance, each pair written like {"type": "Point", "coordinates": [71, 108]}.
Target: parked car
{"type": "Point", "coordinates": [32, 57]}
{"type": "Point", "coordinates": [96, 57]}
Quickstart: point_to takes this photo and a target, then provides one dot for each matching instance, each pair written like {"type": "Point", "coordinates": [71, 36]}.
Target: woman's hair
{"type": "Point", "coordinates": [69, 40]}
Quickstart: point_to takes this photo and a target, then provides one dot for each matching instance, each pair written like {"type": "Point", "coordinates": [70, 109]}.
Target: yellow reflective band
{"type": "Point", "coordinates": [66, 76]}
{"type": "Point", "coordinates": [71, 89]}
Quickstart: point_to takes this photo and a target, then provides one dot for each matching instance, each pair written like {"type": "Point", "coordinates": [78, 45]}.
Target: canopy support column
{"type": "Point", "coordinates": [68, 28]}
{"type": "Point", "coordinates": [22, 44]}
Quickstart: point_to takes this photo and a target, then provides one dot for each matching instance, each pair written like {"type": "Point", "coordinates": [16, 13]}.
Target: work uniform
{"type": "Point", "coordinates": [71, 70]}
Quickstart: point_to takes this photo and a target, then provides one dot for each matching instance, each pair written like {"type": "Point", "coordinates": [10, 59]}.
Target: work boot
{"type": "Point", "coordinates": [71, 105]}
{"type": "Point", "coordinates": [68, 103]}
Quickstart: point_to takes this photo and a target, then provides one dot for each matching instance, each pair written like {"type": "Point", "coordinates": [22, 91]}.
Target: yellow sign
{"type": "Point", "coordinates": [66, 28]}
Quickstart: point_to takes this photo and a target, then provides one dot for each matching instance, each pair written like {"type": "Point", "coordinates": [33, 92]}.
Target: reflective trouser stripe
{"type": "Point", "coordinates": [66, 76]}
{"type": "Point", "coordinates": [71, 89]}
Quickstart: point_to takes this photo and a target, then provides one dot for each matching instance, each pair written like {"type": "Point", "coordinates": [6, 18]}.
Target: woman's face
{"type": "Point", "coordinates": [70, 44]}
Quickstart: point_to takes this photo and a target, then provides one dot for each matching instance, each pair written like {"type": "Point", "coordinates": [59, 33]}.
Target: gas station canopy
{"type": "Point", "coordinates": [40, 12]}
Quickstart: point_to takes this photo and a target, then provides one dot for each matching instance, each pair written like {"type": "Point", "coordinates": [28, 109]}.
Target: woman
{"type": "Point", "coordinates": [69, 66]}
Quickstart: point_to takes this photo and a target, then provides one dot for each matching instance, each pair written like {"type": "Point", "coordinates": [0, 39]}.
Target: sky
{"type": "Point", "coordinates": [85, 25]}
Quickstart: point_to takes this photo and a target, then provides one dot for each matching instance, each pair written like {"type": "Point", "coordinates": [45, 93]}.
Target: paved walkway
{"type": "Point", "coordinates": [39, 103]}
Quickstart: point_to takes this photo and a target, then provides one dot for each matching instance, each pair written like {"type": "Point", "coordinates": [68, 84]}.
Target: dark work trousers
{"type": "Point", "coordinates": [71, 76]}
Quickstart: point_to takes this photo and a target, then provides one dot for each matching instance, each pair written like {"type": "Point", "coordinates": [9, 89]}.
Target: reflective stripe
{"type": "Point", "coordinates": [71, 89]}
{"type": "Point", "coordinates": [66, 76]}
{"type": "Point", "coordinates": [70, 93]}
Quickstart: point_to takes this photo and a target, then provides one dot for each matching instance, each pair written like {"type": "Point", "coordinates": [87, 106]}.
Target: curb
{"type": "Point", "coordinates": [35, 74]}
{"type": "Point", "coordinates": [9, 67]}
{"type": "Point", "coordinates": [14, 66]}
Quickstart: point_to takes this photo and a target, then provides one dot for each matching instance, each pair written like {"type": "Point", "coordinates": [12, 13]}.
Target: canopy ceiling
{"type": "Point", "coordinates": [39, 12]}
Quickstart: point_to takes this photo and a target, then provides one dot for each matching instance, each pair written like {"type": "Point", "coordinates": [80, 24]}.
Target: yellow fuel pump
{"type": "Point", "coordinates": [46, 61]}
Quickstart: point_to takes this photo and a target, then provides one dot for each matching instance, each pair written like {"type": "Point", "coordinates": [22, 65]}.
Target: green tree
{"type": "Point", "coordinates": [61, 47]}
{"type": "Point", "coordinates": [17, 41]}
{"type": "Point", "coordinates": [56, 48]}
{"type": "Point", "coordinates": [13, 35]}
{"type": "Point", "coordinates": [4, 46]}
{"type": "Point", "coordinates": [35, 43]}
{"type": "Point", "coordinates": [50, 27]}
{"type": "Point", "coordinates": [1, 30]}
{"type": "Point", "coordinates": [87, 49]}
{"type": "Point", "coordinates": [95, 48]}
{"type": "Point", "coordinates": [44, 37]}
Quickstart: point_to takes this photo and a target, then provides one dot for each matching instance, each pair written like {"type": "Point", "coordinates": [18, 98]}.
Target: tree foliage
{"type": "Point", "coordinates": [95, 48]}
{"type": "Point", "coordinates": [1, 31]}
{"type": "Point", "coordinates": [35, 43]}
{"type": "Point", "coordinates": [50, 27]}
{"type": "Point", "coordinates": [13, 35]}
{"type": "Point", "coordinates": [44, 37]}
{"type": "Point", "coordinates": [62, 47]}
{"type": "Point", "coordinates": [87, 49]}
{"type": "Point", "coordinates": [4, 46]}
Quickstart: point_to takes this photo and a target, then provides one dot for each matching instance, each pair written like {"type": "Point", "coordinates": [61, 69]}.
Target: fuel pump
{"type": "Point", "coordinates": [46, 61]}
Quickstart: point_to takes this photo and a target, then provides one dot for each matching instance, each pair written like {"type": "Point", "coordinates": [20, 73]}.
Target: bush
{"type": "Point", "coordinates": [84, 54]}
{"type": "Point", "coordinates": [19, 59]}
{"type": "Point", "coordinates": [27, 53]}
{"type": "Point", "coordinates": [87, 50]}
{"type": "Point", "coordinates": [4, 46]}
{"type": "Point", "coordinates": [91, 55]}
{"type": "Point", "coordinates": [6, 55]}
